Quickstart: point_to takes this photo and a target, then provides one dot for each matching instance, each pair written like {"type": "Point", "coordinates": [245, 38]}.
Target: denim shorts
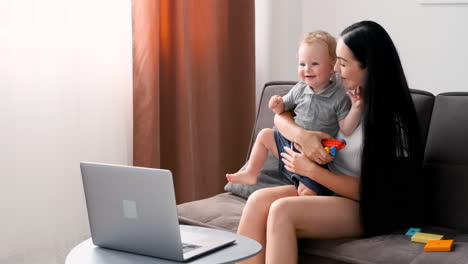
{"type": "Point", "coordinates": [282, 142]}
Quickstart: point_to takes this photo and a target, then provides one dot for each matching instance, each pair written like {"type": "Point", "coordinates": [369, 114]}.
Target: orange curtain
{"type": "Point", "coordinates": [194, 89]}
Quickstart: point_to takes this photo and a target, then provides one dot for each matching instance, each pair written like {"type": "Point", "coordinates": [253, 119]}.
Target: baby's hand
{"type": "Point", "coordinates": [355, 97]}
{"type": "Point", "coordinates": [276, 104]}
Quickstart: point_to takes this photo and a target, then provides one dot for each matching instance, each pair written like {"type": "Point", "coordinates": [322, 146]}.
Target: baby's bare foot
{"type": "Point", "coordinates": [242, 177]}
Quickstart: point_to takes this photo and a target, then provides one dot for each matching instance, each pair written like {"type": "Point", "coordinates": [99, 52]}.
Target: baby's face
{"type": "Point", "coordinates": [315, 65]}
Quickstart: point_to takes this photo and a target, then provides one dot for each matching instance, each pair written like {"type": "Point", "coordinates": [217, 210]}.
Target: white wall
{"type": "Point", "coordinates": [277, 32]}
{"type": "Point", "coordinates": [432, 39]}
{"type": "Point", "coordinates": [65, 96]}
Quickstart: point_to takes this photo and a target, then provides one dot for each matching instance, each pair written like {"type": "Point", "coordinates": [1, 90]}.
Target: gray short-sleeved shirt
{"type": "Point", "coordinates": [318, 111]}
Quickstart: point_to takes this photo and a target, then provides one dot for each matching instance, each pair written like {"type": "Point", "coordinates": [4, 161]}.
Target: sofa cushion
{"type": "Point", "coordinates": [222, 211]}
{"type": "Point", "coordinates": [393, 248]}
{"type": "Point", "coordinates": [458, 255]}
{"type": "Point", "coordinates": [379, 249]}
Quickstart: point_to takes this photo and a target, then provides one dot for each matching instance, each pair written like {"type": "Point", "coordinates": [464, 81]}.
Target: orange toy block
{"type": "Point", "coordinates": [439, 245]}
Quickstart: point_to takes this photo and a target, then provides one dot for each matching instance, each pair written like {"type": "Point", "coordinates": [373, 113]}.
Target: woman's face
{"type": "Point", "coordinates": [351, 72]}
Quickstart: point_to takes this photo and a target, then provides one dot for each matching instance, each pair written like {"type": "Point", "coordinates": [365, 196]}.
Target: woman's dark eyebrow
{"type": "Point", "coordinates": [341, 58]}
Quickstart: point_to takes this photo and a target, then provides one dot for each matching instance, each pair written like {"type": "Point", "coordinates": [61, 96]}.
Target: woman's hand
{"type": "Point", "coordinates": [311, 145]}
{"type": "Point", "coordinates": [299, 163]}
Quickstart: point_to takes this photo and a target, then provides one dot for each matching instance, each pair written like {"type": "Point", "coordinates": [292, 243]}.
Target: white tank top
{"type": "Point", "coordinates": [348, 159]}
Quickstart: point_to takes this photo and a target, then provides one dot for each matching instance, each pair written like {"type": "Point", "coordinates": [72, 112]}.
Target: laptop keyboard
{"type": "Point", "coordinates": [188, 247]}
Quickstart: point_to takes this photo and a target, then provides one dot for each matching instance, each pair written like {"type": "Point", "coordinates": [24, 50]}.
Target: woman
{"type": "Point", "coordinates": [372, 177]}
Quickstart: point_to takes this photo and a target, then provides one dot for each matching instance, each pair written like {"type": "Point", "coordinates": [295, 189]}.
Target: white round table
{"type": "Point", "coordinates": [87, 253]}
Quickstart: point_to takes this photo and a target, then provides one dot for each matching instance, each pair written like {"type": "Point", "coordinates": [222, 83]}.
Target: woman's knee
{"type": "Point", "coordinates": [263, 198]}
{"type": "Point", "coordinates": [279, 210]}
{"type": "Point", "coordinates": [260, 198]}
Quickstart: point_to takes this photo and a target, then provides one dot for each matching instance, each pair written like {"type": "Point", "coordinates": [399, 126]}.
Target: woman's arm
{"type": "Point", "coordinates": [310, 141]}
{"type": "Point", "coordinates": [344, 185]}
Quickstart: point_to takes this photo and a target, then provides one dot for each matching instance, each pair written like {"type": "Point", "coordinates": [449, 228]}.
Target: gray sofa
{"type": "Point", "coordinates": [444, 120]}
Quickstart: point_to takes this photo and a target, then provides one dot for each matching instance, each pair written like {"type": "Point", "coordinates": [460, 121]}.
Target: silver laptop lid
{"type": "Point", "coordinates": [126, 212]}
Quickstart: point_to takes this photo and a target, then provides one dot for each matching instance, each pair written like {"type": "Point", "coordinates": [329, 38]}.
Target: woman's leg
{"type": "Point", "coordinates": [255, 214]}
{"type": "Point", "coordinates": [322, 217]}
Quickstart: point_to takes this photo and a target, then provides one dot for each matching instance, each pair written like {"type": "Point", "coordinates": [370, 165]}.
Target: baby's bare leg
{"type": "Point", "coordinates": [303, 190]}
{"type": "Point", "coordinates": [265, 142]}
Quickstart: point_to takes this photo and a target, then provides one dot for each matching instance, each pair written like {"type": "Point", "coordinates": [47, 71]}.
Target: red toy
{"type": "Point", "coordinates": [332, 146]}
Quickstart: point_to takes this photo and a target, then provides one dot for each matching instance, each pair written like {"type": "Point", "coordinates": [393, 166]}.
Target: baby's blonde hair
{"type": "Point", "coordinates": [325, 38]}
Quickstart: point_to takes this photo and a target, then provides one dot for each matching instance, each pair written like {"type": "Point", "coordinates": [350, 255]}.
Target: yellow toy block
{"type": "Point", "coordinates": [439, 245]}
{"type": "Point", "coordinates": [424, 237]}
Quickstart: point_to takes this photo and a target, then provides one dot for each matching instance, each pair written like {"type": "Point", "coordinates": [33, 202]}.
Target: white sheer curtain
{"type": "Point", "coordinates": [65, 96]}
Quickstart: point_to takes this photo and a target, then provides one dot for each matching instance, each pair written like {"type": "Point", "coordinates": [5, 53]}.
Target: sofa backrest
{"type": "Point", "coordinates": [265, 116]}
{"type": "Point", "coordinates": [446, 162]}
{"type": "Point", "coordinates": [423, 103]}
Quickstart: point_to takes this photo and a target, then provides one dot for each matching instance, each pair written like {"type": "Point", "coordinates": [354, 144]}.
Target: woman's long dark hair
{"type": "Point", "coordinates": [392, 149]}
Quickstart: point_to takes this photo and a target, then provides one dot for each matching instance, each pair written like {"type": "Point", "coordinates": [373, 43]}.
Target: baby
{"type": "Point", "coordinates": [319, 102]}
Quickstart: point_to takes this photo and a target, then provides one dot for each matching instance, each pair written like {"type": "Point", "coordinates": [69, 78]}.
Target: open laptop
{"type": "Point", "coordinates": [133, 209]}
